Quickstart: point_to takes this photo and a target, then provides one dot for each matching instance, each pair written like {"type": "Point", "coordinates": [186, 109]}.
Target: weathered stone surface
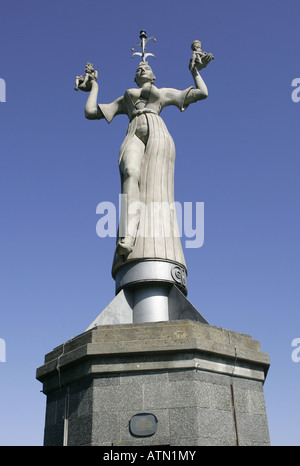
{"type": "Point", "coordinates": [204, 384]}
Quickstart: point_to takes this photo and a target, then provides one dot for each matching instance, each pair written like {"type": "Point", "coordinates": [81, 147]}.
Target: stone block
{"type": "Point", "coordinates": [252, 429]}
{"type": "Point", "coordinates": [117, 398]}
{"type": "Point", "coordinates": [181, 372]}
{"type": "Point", "coordinates": [184, 423]}
{"type": "Point", "coordinates": [220, 397]}
{"type": "Point", "coordinates": [105, 427]}
{"type": "Point", "coordinates": [80, 431]}
{"type": "Point", "coordinates": [176, 395]}
{"type": "Point", "coordinates": [54, 434]}
{"type": "Point", "coordinates": [218, 426]}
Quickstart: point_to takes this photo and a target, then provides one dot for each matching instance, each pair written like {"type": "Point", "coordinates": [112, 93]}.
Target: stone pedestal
{"type": "Point", "coordinates": [162, 383]}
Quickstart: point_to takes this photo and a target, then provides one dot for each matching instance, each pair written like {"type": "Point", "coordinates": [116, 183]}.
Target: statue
{"type": "Point", "coordinates": [198, 55]}
{"type": "Point", "coordinates": [146, 161]}
{"type": "Point", "coordinates": [90, 74]}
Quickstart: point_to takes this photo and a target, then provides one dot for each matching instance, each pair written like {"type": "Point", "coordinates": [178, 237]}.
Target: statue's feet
{"type": "Point", "coordinates": [125, 246]}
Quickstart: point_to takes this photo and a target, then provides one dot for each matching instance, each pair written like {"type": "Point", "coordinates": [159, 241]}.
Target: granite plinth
{"type": "Point", "coordinates": [203, 384]}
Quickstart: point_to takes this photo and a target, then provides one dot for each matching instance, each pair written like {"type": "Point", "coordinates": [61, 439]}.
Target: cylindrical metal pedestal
{"type": "Point", "coordinates": [150, 303]}
{"type": "Point", "coordinates": [149, 281]}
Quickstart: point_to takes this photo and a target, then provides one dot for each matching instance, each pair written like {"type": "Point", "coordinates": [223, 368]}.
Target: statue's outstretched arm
{"type": "Point", "coordinates": [201, 91]}
{"type": "Point", "coordinates": [88, 83]}
{"type": "Point", "coordinates": [92, 110]}
{"type": "Point", "coordinates": [95, 111]}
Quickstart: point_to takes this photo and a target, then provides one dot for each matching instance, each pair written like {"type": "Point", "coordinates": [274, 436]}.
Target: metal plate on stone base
{"type": "Point", "coordinates": [143, 425]}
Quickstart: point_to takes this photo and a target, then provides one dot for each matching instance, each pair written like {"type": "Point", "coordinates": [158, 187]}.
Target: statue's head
{"type": "Point", "coordinates": [89, 67]}
{"type": "Point", "coordinates": [144, 74]}
{"type": "Point", "coordinates": [196, 45]}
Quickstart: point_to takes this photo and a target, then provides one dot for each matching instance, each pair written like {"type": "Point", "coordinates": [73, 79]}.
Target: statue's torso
{"type": "Point", "coordinates": [146, 97]}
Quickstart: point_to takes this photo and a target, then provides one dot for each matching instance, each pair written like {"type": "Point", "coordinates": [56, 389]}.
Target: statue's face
{"type": "Point", "coordinates": [144, 74]}
{"type": "Point", "coordinates": [197, 46]}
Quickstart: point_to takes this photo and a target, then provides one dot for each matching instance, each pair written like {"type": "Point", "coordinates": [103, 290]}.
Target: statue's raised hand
{"type": "Point", "coordinates": [197, 64]}
{"type": "Point", "coordinates": [84, 83]}
{"type": "Point", "coordinates": [205, 61]}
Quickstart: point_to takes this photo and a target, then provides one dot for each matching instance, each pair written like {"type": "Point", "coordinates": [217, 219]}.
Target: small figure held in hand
{"type": "Point", "coordinates": [199, 59]}
{"type": "Point", "coordinates": [83, 82]}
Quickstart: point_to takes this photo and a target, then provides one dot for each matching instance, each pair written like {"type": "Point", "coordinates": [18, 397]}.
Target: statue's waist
{"type": "Point", "coordinates": [142, 111]}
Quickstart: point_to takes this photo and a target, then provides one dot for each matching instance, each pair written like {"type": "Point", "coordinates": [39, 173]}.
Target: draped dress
{"type": "Point", "coordinates": [158, 234]}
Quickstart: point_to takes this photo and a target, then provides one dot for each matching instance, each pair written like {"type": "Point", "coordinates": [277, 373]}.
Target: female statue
{"type": "Point", "coordinates": [146, 160]}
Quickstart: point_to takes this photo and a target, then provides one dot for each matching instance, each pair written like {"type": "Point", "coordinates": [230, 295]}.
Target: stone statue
{"type": "Point", "coordinates": [146, 162]}
{"type": "Point", "coordinates": [198, 55]}
{"type": "Point", "coordinates": [90, 74]}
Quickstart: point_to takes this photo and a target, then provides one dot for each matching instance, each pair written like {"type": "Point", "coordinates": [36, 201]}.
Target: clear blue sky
{"type": "Point", "coordinates": [238, 152]}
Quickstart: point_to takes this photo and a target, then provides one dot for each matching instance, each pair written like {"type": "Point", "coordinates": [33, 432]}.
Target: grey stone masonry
{"type": "Point", "coordinates": [203, 385]}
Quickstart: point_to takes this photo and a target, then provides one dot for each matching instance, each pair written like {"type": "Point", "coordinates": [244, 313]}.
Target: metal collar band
{"type": "Point", "coordinates": [151, 271]}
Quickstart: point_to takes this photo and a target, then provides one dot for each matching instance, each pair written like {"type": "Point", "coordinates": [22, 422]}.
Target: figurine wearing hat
{"type": "Point", "coordinates": [198, 54]}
